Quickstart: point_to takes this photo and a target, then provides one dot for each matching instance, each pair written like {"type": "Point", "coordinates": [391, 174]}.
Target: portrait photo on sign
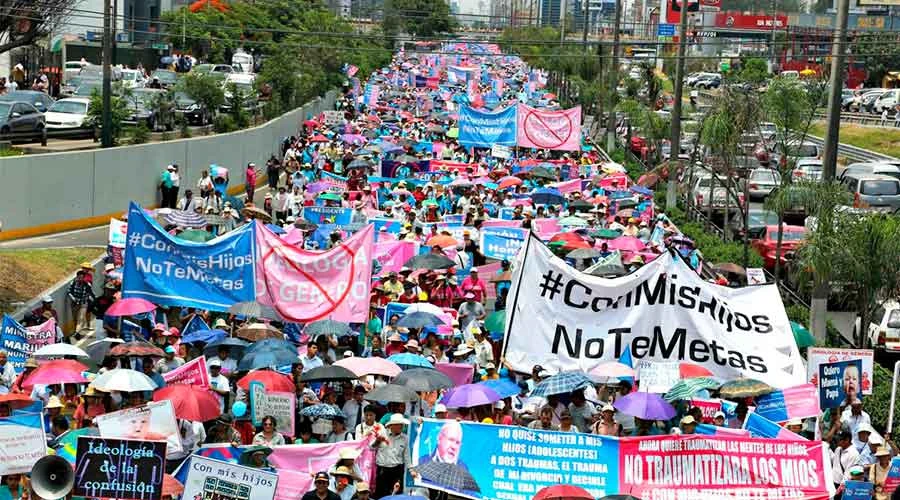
{"type": "Point", "coordinates": [443, 465]}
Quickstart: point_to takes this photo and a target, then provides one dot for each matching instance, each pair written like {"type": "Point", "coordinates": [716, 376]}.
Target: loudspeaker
{"type": "Point", "coordinates": [52, 477]}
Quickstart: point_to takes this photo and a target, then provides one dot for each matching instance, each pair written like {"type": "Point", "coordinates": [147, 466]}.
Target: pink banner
{"type": "Point", "coordinates": [559, 130]}
{"type": "Point", "coordinates": [708, 407]}
{"type": "Point", "coordinates": [546, 228]}
{"type": "Point", "coordinates": [615, 181]}
{"type": "Point", "coordinates": [193, 372]}
{"type": "Point", "coordinates": [450, 166]}
{"type": "Point", "coordinates": [41, 335]}
{"type": "Point", "coordinates": [393, 254]}
{"type": "Point", "coordinates": [305, 286]}
{"type": "Point", "coordinates": [459, 373]}
{"type": "Point", "coordinates": [297, 463]}
{"type": "Point", "coordinates": [567, 187]}
{"type": "Point", "coordinates": [501, 223]}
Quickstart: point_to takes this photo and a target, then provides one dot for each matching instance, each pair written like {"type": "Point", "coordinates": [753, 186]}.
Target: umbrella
{"type": "Point", "coordinates": [627, 243]}
{"type": "Point", "coordinates": [60, 371]}
{"type": "Point", "coordinates": [190, 402]}
{"type": "Point", "coordinates": [583, 253]}
{"type": "Point", "coordinates": [259, 331]}
{"type": "Point", "coordinates": [469, 395]}
{"type": "Point", "coordinates": [171, 487]}
{"type": "Point", "coordinates": [264, 358]}
{"type": "Point", "coordinates": [496, 322]}
{"type": "Point", "coordinates": [354, 139]}
{"type": "Point", "coordinates": [318, 138]}
{"type": "Point", "coordinates": [612, 369]}
{"type": "Point", "coordinates": [442, 241]}
{"type": "Point", "coordinates": [562, 383]}
{"type": "Point", "coordinates": [123, 380]}
{"type": "Point", "coordinates": [690, 370]}
{"type": "Point", "coordinates": [327, 327]}
{"type": "Point", "coordinates": [505, 387]}
{"type": "Point", "coordinates": [509, 181]}
{"type": "Point", "coordinates": [611, 265]}
{"type": "Point", "coordinates": [369, 366]}
{"type": "Point", "coordinates": [204, 336]}
{"type": "Point", "coordinates": [542, 172]}
{"type": "Point", "coordinates": [570, 241]}
{"type": "Point", "coordinates": [581, 205]}
{"type": "Point", "coordinates": [138, 348]}
{"type": "Point", "coordinates": [392, 393]}
{"type": "Point", "coordinates": [606, 234]}
{"type": "Point", "coordinates": [424, 307]}
{"type": "Point", "coordinates": [547, 196]}
{"type": "Point", "coordinates": [447, 475]}
{"type": "Point", "coordinates": [273, 381]}
{"type": "Point", "coordinates": [235, 347]}
{"type": "Point", "coordinates": [59, 350]}
{"type": "Point", "coordinates": [195, 235]}
{"type": "Point", "coordinates": [358, 164]}
{"type": "Point", "coordinates": [327, 412]}
{"type": "Point", "coordinates": [98, 349]}
{"type": "Point", "coordinates": [419, 320]}
{"type": "Point", "coordinates": [744, 388]}
{"type": "Point", "coordinates": [729, 267]}
{"type": "Point", "coordinates": [620, 497]}
{"type": "Point", "coordinates": [802, 336]}
{"type": "Point", "coordinates": [16, 400]}
{"type": "Point", "coordinates": [685, 389]}
{"type": "Point", "coordinates": [183, 218]}
{"type": "Point", "coordinates": [573, 221]}
{"type": "Point", "coordinates": [562, 491]}
{"type": "Point", "coordinates": [423, 380]}
{"type": "Point", "coordinates": [130, 307]}
{"type": "Point", "coordinates": [327, 374]}
{"type": "Point", "coordinates": [429, 261]}
{"type": "Point", "coordinates": [645, 405]}
{"type": "Point", "coordinates": [330, 197]}
{"type": "Point", "coordinates": [256, 213]}
{"type": "Point", "coordinates": [407, 360]}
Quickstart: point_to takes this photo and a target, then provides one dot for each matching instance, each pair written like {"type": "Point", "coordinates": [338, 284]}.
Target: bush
{"type": "Point", "coordinates": [184, 129]}
{"type": "Point", "coordinates": [224, 124]}
{"type": "Point", "coordinates": [140, 134]}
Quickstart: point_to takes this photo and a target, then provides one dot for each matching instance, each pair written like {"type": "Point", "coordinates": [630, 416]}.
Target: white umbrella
{"type": "Point", "coordinates": [123, 380]}
{"type": "Point", "coordinates": [60, 350]}
{"type": "Point", "coordinates": [98, 349]}
{"type": "Point", "coordinates": [424, 307]}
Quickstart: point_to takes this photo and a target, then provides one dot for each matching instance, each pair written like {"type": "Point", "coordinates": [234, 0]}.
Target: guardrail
{"type": "Point", "coordinates": [852, 152]}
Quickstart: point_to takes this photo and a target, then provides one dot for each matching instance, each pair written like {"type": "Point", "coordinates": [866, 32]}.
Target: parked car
{"type": "Point", "coordinates": [67, 114]}
{"type": "Point", "coordinates": [809, 169]}
{"type": "Point", "coordinates": [874, 190]}
{"type": "Point", "coordinates": [847, 96]}
{"type": "Point", "coordinates": [796, 152]}
{"type": "Point", "coordinates": [140, 104]}
{"type": "Point", "coordinates": [791, 238]}
{"type": "Point", "coordinates": [701, 195]}
{"type": "Point", "coordinates": [867, 101]}
{"type": "Point", "coordinates": [18, 117]}
{"type": "Point", "coordinates": [246, 84]}
{"type": "Point", "coordinates": [762, 182]}
{"type": "Point", "coordinates": [165, 77]}
{"type": "Point", "coordinates": [711, 81]}
{"type": "Point", "coordinates": [696, 77]}
{"type": "Point", "coordinates": [133, 79]}
{"type": "Point", "coordinates": [191, 110]}
{"type": "Point", "coordinates": [757, 220]}
{"type": "Point", "coordinates": [72, 68]}
{"type": "Point", "coordinates": [884, 327]}
{"type": "Point", "coordinates": [87, 88]}
{"type": "Point", "coordinates": [874, 167]}
{"type": "Point", "coordinates": [768, 131]}
{"type": "Point", "coordinates": [39, 100]}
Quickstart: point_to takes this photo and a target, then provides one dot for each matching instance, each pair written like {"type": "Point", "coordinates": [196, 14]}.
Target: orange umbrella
{"type": "Point", "coordinates": [442, 241]}
{"type": "Point", "coordinates": [16, 400]}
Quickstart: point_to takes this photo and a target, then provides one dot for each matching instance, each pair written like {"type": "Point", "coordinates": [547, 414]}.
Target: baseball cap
{"type": "Point", "coordinates": [440, 408]}
{"type": "Point", "coordinates": [719, 414]}
{"type": "Point", "coordinates": [362, 486]}
{"type": "Point", "coordinates": [170, 350]}
{"type": "Point", "coordinates": [46, 299]}
{"type": "Point", "coordinates": [213, 363]}
{"type": "Point", "coordinates": [321, 476]}
{"type": "Point", "coordinates": [688, 419]}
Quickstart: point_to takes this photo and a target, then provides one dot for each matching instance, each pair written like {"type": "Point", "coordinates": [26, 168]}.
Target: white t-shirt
{"type": "Point", "coordinates": [220, 383]}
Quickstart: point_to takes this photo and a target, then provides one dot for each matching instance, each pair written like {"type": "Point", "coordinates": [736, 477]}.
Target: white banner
{"type": "Point", "coordinates": [562, 319]}
{"type": "Point", "coordinates": [22, 442]}
{"type": "Point", "coordinates": [818, 355]}
{"type": "Point", "coordinates": [118, 230]}
{"type": "Point", "coordinates": [214, 479]}
{"type": "Point", "coordinates": [658, 377]}
{"type": "Point", "coordinates": [333, 117]}
{"type": "Point", "coordinates": [155, 421]}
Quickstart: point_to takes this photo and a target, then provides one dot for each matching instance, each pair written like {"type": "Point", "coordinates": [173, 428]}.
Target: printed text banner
{"type": "Point", "coordinates": [562, 320]}
{"type": "Point", "coordinates": [702, 467]}
{"type": "Point", "coordinates": [485, 129]}
{"type": "Point", "coordinates": [172, 272]}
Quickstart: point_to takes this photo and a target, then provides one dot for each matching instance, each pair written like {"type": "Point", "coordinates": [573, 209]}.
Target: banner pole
{"type": "Point", "coordinates": [515, 301]}
{"type": "Point", "coordinates": [890, 422]}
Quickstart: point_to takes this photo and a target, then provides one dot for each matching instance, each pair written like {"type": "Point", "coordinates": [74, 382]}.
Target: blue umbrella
{"type": "Point", "coordinates": [408, 360]}
{"type": "Point", "coordinates": [642, 190]}
{"type": "Point", "coordinates": [276, 229]}
{"type": "Point", "coordinates": [266, 358]}
{"type": "Point", "coordinates": [272, 345]}
{"type": "Point", "coordinates": [547, 196]}
{"type": "Point", "coordinates": [235, 347]}
{"type": "Point", "coordinates": [322, 411]}
{"type": "Point", "coordinates": [419, 320]}
{"type": "Point", "coordinates": [503, 386]}
{"type": "Point", "coordinates": [205, 336]}
{"type": "Point", "coordinates": [562, 383]}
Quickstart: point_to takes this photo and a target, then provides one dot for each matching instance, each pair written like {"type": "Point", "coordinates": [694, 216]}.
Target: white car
{"type": "Point", "coordinates": [133, 79]}
{"type": "Point", "coordinates": [68, 113]}
{"type": "Point", "coordinates": [884, 327]}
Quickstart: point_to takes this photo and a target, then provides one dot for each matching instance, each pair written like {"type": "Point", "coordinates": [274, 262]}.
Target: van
{"type": "Point", "coordinates": [884, 327]}
{"type": "Point", "coordinates": [871, 167]}
{"type": "Point", "coordinates": [873, 190]}
{"type": "Point", "coordinates": [887, 100]}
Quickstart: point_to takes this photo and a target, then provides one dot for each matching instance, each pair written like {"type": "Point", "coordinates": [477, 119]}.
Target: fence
{"type": "Point", "coordinates": [54, 192]}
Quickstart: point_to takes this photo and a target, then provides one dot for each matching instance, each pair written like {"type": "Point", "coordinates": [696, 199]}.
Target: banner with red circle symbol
{"type": "Point", "coordinates": [559, 130]}
{"type": "Point", "coordinates": [305, 286]}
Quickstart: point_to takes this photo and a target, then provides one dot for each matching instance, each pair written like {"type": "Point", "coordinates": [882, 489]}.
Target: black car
{"type": "Point", "coordinates": [39, 100]}
{"type": "Point", "coordinates": [140, 104]}
{"type": "Point", "coordinates": [19, 117]}
{"type": "Point", "coordinates": [192, 111]}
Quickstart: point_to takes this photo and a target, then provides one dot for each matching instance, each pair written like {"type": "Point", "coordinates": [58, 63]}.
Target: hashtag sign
{"type": "Point", "coordinates": [134, 239]}
{"type": "Point", "coordinates": [551, 284]}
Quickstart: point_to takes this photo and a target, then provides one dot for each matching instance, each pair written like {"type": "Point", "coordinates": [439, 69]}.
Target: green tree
{"type": "Point", "coordinates": [163, 106]}
{"type": "Point", "coordinates": [425, 18]}
{"type": "Point", "coordinates": [204, 89]}
{"type": "Point", "coordinates": [119, 113]}
{"type": "Point", "coordinates": [237, 102]}
{"type": "Point", "coordinates": [753, 70]}
{"type": "Point", "coordinates": [281, 72]}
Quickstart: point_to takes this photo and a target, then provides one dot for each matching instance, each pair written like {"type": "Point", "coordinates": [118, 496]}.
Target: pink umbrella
{"type": "Point", "coordinates": [130, 307]}
{"type": "Point", "coordinates": [522, 202]}
{"type": "Point", "coordinates": [612, 369]}
{"type": "Point", "coordinates": [509, 182]}
{"type": "Point", "coordinates": [627, 243]}
{"type": "Point", "coordinates": [60, 371]}
{"type": "Point", "coordinates": [293, 236]}
{"type": "Point", "coordinates": [370, 366]}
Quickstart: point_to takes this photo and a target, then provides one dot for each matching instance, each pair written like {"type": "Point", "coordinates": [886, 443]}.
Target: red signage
{"type": "Point", "coordinates": [737, 20]}
{"type": "Point", "coordinates": [673, 14]}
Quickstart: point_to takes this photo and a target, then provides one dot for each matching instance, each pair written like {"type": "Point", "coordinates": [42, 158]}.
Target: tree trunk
{"type": "Point", "coordinates": [818, 307]}
{"type": "Point", "coordinates": [726, 228]}
{"type": "Point", "coordinates": [778, 247]}
{"type": "Point", "coordinates": [862, 309]}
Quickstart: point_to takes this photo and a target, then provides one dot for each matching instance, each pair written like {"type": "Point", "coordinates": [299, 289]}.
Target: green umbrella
{"type": "Point", "coordinates": [453, 133]}
{"type": "Point", "coordinates": [606, 234]}
{"type": "Point", "coordinates": [802, 336]}
{"type": "Point", "coordinates": [429, 202]}
{"type": "Point", "coordinates": [195, 235]}
{"type": "Point", "coordinates": [744, 388]}
{"type": "Point", "coordinates": [330, 196]}
{"type": "Point", "coordinates": [686, 388]}
{"type": "Point", "coordinates": [573, 221]}
{"type": "Point", "coordinates": [496, 322]}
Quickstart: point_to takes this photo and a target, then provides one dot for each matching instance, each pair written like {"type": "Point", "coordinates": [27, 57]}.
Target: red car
{"type": "Point", "coordinates": [791, 238]}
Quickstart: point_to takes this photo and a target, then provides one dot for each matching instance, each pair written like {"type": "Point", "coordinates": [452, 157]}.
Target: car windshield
{"type": "Point", "coordinates": [760, 218]}
{"type": "Point", "coordinates": [69, 107]}
{"type": "Point", "coordinates": [880, 188]}
{"type": "Point", "coordinates": [789, 235]}
{"type": "Point", "coordinates": [803, 151]}
{"type": "Point", "coordinates": [165, 76]}
{"type": "Point", "coordinates": [183, 99]}
{"type": "Point", "coordinates": [129, 75]}
{"type": "Point", "coordinates": [762, 176]}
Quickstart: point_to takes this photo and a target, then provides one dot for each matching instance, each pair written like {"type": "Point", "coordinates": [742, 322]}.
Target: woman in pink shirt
{"type": "Point", "coordinates": [475, 285]}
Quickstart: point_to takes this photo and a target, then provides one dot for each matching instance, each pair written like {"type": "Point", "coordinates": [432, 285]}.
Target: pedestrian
{"type": "Point", "coordinates": [273, 171]}
{"type": "Point", "coordinates": [205, 185]}
{"type": "Point", "coordinates": [81, 295]}
{"type": "Point", "coordinates": [884, 117]}
{"type": "Point", "coordinates": [269, 436]}
{"type": "Point", "coordinates": [250, 181]}
{"type": "Point", "coordinates": [320, 489]}
{"type": "Point", "coordinates": [390, 457]}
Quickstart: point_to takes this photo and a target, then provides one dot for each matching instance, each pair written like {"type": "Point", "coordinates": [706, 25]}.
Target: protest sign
{"type": "Point", "coordinates": [857, 490]}
{"type": "Point", "coordinates": [761, 427]}
{"type": "Point", "coordinates": [483, 129]}
{"type": "Point", "coordinates": [457, 219]}
{"type": "Point", "coordinates": [391, 255]}
{"type": "Point", "coordinates": [209, 479]}
{"type": "Point", "coordinates": [818, 355]}
{"type": "Point", "coordinates": [501, 151]}
{"type": "Point", "coordinates": [280, 405]}
{"type": "Point", "coordinates": [307, 459]}
{"type": "Point", "coordinates": [893, 477]}
{"type": "Point", "coordinates": [333, 117]}
{"type": "Point", "coordinates": [801, 401]}
{"type": "Point", "coordinates": [392, 226]}
{"type": "Point", "coordinates": [709, 407]}
{"type": "Point", "coordinates": [194, 372]}
{"type": "Point", "coordinates": [563, 320]}
{"type": "Point", "coordinates": [839, 383]}
{"type": "Point", "coordinates": [502, 243]}
{"type": "Point", "coordinates": [506, 213]}
{"type": "Point", "coordinates": [501, 223]}
{"type": "Point", "coordinates": [546, 227]}
{"type": "Point", "coordinates": [155, 421]}
{"type": "Point", "coordinates": [304, 286]}
{"type": "Point", "coordinates": [755, 276]}
{"type": "Point", "coordinates": [558, 130]}
{"type": "Point", "coordinates": [22, 442]}
{"type": "Point", "coordinates": [658, 377]}
{"type": "Point", "coordinates": [173, 272]}
{"type": "Point", "coordinates": [513, 463]}
{"type": "Point", "coordinates": [20, 342]}
{"type": "Point", "coordinates": [118, 232]}
{"type": "Point", "coordinates": [328, 215]}
{"type": "Point", "coordinates": [714, 430]}
{"type": "Point", "coordinates": [696, 467]}
{"type": "Point", "coordinates": [398, 170]}
{"type": "Point", "coordinates": [119, 468]}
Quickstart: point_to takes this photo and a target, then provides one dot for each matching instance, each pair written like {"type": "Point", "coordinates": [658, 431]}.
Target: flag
{"type": "Point", "coordinates": [195, 324]}
{"type": "Point", "coordinates": [626, 360]}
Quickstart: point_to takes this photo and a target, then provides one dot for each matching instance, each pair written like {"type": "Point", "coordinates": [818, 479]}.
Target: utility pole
{"type": "Point", "coordinates": [106, 139]}
{"type": "Point", "coordinates": [614, 80]}
{"type": "Point", "coordinates": [836, 84]}
{"type": "Point", "coordinates": [562, 22]}
{"type": "Point", "coordinates": [674, 162]}
{"type": "Point", "coordinates": [585, 3]}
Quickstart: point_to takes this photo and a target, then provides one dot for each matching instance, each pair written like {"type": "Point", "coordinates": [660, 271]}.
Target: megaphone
{"type": "Point", "coordinates": [52, 477]}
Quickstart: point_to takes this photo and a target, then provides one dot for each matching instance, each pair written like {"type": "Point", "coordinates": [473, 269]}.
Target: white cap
{"type": "Point", "coordinates": [793, 421]}
{"type": "Point", "coordinates": [864, 427]}
{"type": "Point", "coordinates": [719, 414]}
{"type": "Point", "coordinates": [499, 405]}
{"type": "Point", "coordinates": [440, 408]}
{"type": "Point", "coordinates": [607, 407]}
{"type": "Point", "coordinates": [46, 298]}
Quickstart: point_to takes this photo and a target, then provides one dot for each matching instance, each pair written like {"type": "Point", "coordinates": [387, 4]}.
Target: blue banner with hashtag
{"type": "Point", "coordinates": [502, 242]}
{"type": "Point", "coordinates": [169, 271]}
